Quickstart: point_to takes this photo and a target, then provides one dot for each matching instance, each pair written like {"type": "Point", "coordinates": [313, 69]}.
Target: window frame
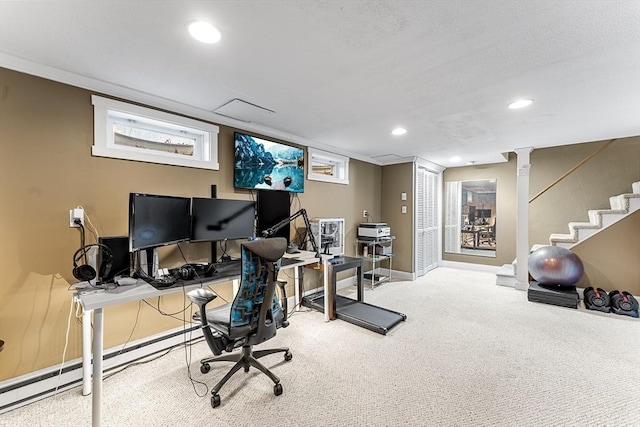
{"type": "Point", "coordinates": [107, 112]}
{"type": "Point", "coordinates": [340, 163]}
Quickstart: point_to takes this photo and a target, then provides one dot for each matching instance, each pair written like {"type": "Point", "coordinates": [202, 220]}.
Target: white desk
{"type": "Point", "coordinates": [95, 302]}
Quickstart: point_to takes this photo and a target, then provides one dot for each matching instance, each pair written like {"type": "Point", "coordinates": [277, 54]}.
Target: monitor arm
{"type": "Point", "coordinates": [269, 232]}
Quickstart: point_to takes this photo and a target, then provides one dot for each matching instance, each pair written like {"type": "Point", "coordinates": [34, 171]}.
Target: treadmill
{"type": "Point", "coordinates": [357, 312]}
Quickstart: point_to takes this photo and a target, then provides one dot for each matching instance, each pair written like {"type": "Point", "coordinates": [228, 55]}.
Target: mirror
{"type": "Point", "coordinates": [470, 217]}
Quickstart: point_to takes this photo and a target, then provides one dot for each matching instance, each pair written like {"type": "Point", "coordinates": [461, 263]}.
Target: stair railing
{"type": "Point", "coordinates": [573, 169]}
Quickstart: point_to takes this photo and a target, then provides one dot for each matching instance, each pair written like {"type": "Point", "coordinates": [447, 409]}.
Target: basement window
{"type": "Point", "coordinates": [328, 167]}
{"type": "Point", "coordinates": [130, 132]}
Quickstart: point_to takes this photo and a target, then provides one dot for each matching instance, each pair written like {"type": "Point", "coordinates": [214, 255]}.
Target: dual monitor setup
{"type": "Point", "coordinates": [156, 220]}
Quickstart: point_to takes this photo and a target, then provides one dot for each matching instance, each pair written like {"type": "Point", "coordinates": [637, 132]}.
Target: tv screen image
{"type": "Point", "coordinates": [158, 220]}
{"type": "Point", "coordinates": [222, 219]}
{"type": "Point", "coordinates": [267, 165]}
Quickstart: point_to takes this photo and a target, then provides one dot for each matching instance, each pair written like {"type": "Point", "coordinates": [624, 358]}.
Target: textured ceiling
{"type": "Point", "coordinates": [340, 75]}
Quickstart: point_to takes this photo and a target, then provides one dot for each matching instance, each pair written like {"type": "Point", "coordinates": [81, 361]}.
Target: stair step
{"type": "Point", "coordinates": [602, 216]}
{"type": "Point", "coordinates": [506, 276]}
{"type": "Point", "coordinates": [559, 237]}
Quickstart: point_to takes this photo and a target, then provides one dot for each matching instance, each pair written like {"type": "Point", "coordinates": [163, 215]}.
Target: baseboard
{"type": "Point", "coordinates": [37, 385]}
{"type": "Point", "coordinates": [469, 266]}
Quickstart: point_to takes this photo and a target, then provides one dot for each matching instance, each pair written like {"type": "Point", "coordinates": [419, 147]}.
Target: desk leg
{"type": "Point", "coordinates": [359, 283]}
{"type": "Point", "coordinates": [296, 286]}
{"type": "Point", "coordinates": [325, 279]}
{"type": "Point", "coordinates": [332, 301]}
{"type": "Point", "coordinates": [98, 335]}
{"type": "Point", "coordinates": [86, 352]}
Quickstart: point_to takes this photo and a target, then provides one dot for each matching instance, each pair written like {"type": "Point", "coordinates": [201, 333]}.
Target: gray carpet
{"type": "Point", "coordinates": [470, 354]}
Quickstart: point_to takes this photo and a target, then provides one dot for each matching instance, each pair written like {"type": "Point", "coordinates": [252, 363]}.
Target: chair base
{"type": "Point", "coordinates": [244, 359]}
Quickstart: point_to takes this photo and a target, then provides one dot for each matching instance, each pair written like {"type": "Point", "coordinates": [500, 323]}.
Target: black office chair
{"type": "Point", "coordinates": [252, 317]}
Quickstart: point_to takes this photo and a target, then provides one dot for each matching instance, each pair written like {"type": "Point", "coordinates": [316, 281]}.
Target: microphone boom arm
{"type": "Point", "coordinates": [269, 232]}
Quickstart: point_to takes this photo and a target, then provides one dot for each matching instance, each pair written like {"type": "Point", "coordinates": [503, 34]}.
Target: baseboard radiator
{"type": "Point", "coordinates": [34, 386]}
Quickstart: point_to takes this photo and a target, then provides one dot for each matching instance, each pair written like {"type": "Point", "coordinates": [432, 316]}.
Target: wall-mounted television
{"type": "Point", "coordinates": [267, 165]}
{"type": "Point", "coordinates": [156, 220]}
{"type": "Point", "coordinates": [222, 219]}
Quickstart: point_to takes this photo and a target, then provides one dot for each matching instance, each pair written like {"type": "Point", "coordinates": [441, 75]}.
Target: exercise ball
{"type": "Point", "coordinates": [554, 265]}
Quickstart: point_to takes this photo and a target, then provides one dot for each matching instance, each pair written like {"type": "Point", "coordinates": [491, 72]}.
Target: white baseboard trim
{"type": "Point", "coordinates": [37, 385]}
{"type": "Point", "coordinates": [469, 266]}
{"type": "Point", "coordinates": [403, 275]}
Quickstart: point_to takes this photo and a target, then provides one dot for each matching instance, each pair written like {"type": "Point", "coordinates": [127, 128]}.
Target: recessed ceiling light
{"type": "Point", "coordinates": [204, 32]}
{"type": "Point", "coordinates": [455, 159]}
{"type": "Point", "coordinates": [521, 103]}
{"type": "Point", "coordinates": [399, 131]}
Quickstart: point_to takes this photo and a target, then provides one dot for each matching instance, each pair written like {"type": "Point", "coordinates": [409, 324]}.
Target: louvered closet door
{"type": "Point", "coordinates": [427, 253]}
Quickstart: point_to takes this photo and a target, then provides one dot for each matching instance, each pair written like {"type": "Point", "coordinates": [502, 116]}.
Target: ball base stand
{"type": "Point", "coordinates": [564, 296]}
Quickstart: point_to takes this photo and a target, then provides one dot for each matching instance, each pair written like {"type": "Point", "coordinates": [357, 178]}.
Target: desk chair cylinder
{"type": "Point", "coordinates": [252, 318]}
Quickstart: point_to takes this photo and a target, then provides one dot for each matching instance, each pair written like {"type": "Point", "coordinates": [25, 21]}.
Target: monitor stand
{"type": "Point", "coordinates": [148, 262]}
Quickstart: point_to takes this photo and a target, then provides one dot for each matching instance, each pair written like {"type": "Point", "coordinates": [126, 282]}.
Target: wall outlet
{"type": "Point", "coordinates": [76, 215]}
{"type": "Point", "coordinates": [365, 213]}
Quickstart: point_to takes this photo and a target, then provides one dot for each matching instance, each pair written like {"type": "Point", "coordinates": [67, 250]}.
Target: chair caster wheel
{"type": "Point", "coordinates": [215, 400]}
{"type": "Point", "coordinates": [288, 356]}
{"type": "Point", "coordinates": [277, 389]}
{"type": "Point", "coordinates": [205, 367]}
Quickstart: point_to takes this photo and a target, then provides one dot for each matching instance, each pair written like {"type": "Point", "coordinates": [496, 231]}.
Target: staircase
{"type": "Point", "coordinates": [599, 219]}
{"type": "Point", "coordinates": [621, 206]}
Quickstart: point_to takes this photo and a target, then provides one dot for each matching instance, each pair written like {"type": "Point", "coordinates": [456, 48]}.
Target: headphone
{"type": "Point", "coordinates": [85, 272]}
{"type": "Point", "coordinates": [191, 271]}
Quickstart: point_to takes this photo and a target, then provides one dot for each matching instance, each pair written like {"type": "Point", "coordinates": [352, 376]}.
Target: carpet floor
{"type": "Point", "coordinates": [469, 354]}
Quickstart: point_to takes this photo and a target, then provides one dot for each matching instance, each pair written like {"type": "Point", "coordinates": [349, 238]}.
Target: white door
{"type": "Point", "coordinates": [427, 220]}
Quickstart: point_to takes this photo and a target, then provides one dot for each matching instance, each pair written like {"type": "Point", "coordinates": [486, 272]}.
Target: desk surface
{"type": "Point", "coordinates": [99, 298]}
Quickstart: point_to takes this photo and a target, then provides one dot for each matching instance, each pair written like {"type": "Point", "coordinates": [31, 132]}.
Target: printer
{"type": "Point", "coordinates": [374, 230]}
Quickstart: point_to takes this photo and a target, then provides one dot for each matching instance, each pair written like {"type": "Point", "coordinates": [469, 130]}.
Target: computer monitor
{"type": "Point", "coordinates": [156, 220]}
{"type": "Point", "coordinates": [222, 219]}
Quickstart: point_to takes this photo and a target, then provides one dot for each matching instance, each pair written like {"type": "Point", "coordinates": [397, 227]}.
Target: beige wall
{"type": "Point", "coordinates": [611, 259]}
{"type": "Point", "coordinates": [46, 168]}
{"type": "Point", "coordinates": [398, 179]}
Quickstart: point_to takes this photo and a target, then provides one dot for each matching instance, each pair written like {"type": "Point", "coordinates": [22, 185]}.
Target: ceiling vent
{"type": "Point", "coordinates": [244, 111]}
{"type": "Point", "coordinates": [387, 158]}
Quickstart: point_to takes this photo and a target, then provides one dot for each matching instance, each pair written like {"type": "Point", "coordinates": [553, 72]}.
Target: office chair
{"type": "Point", "coordinates": [252, 317]}
{"type": "Point", "coordinates": [488, 236]}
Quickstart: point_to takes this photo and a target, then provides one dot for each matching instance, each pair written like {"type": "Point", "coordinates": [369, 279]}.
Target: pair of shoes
{"type": "Point", "coordinates": [616, 301]}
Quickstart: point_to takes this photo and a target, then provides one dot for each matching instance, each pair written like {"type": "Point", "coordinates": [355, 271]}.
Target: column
{"type": "Point", "coordinates": [522, 218]}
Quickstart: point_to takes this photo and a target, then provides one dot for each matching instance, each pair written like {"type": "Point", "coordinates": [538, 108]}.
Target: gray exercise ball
{"type": "Point", "coordinates": [554, 265]}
